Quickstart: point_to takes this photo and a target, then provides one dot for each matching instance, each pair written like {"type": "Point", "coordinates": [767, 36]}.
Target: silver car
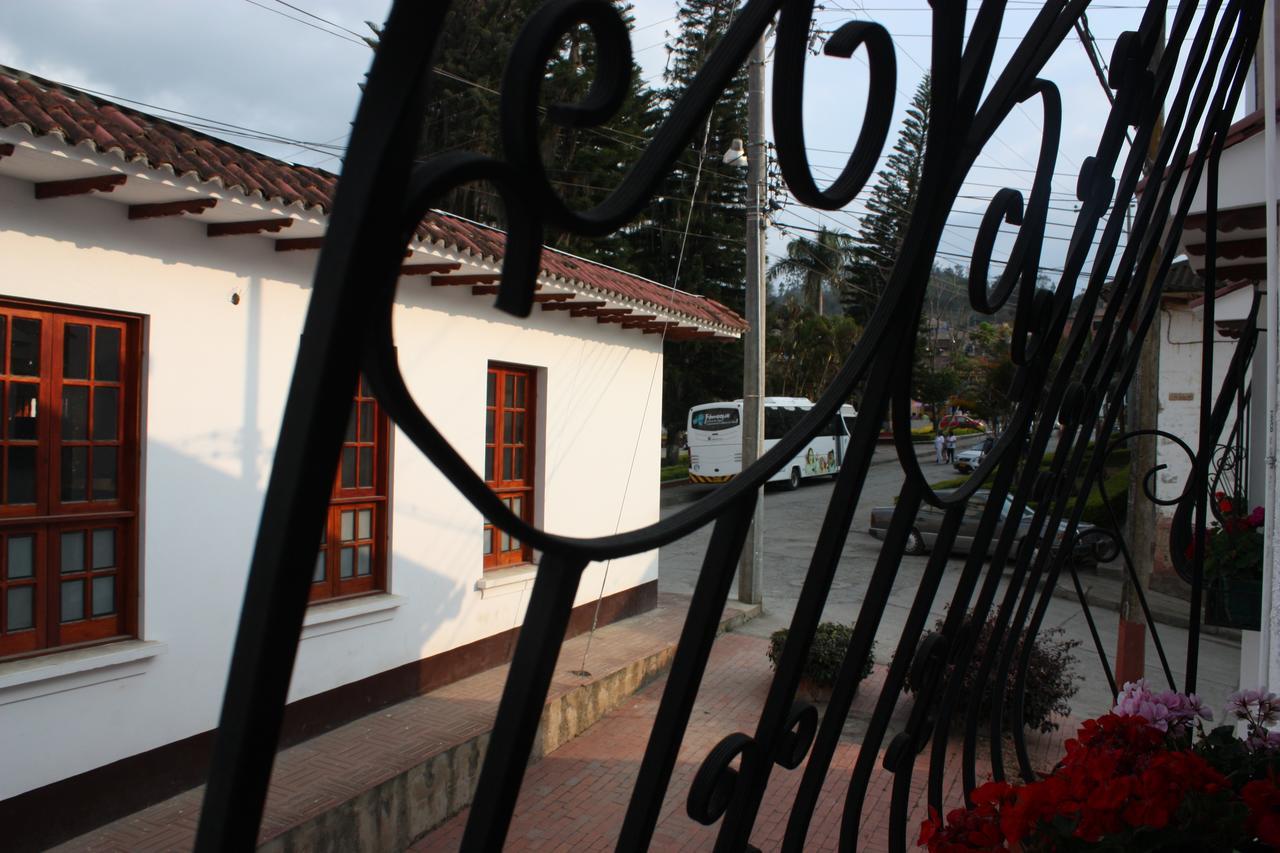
{"type": "Point", "coordinates": [1091, 543]}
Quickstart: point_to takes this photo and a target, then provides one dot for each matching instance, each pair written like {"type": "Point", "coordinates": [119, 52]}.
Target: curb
{"type": "Point", "coordinates": [1105, 599]}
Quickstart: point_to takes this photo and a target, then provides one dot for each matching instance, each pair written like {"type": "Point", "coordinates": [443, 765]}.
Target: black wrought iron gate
{"type": "Point", "coordinates": [1078, 377]}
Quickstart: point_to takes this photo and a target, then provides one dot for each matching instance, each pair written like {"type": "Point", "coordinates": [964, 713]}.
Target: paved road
{"type": "Point", "coordinates": [792, 521]}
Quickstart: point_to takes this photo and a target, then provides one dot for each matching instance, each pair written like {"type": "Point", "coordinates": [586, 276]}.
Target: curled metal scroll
{"type": "Point", "coordinates": [1078, 376]}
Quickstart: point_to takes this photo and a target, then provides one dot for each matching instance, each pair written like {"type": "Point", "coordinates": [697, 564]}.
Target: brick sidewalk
{"type": "Point", "coordinates": [575, 798]}
{"type": "Point", "coordinates": [387, 778]}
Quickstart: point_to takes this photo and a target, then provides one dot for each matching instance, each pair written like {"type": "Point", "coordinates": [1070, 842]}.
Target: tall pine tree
{"type": "Point", "coordinates": [889, 209]}
{"type": "Point", "coordinates": [709, 203]}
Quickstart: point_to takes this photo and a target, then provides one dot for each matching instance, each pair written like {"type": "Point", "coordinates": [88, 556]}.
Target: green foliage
{"type": "Point", "coordinates": [990, 373]}
{"type": "Point", "coordinates": [671, 473]}
{"type": "Point", "coordinates": [462, 114]}
{"type": "Point", "coordinates": [933, 386]}
{"type": "Point", "coordinates": [711, 201]}
{"type": "Point", "coordinates": [1051, 678]}
{"type": "Point", "coordinates": [1116, 482]}
{"type": "Point", "coordinates": [889, 207]}
{"type": "Point", "coordinates": [1233, 551]}
{"type": "Point", "coordinates": [804, 350]}
{"type": "Point", "coordinates": [812, 268]}
{"type": "Point", "coordinates": [826, 653]}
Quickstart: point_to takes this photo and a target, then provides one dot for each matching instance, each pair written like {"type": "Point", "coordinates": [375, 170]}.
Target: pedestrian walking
{"type": "Point", "coordinates": [951, 446]}
{"type": "Point", "coordinates": [940, 447]}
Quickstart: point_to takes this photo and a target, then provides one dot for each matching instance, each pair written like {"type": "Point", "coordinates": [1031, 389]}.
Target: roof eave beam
{"type": "Point", "coordinates": [193, 206]}
{"type": "Point", "coordinates": [253, 226]}
{"type": "Point", "coordinates": [78, 186]}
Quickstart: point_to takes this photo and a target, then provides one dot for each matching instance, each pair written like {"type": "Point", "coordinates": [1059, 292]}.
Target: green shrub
{"type": "Point", "coordinates": [826, 652]}
{"type": "Point", "coordinates": [674, 472]}
{"type": "Point", "coordinates": [1051, 679]}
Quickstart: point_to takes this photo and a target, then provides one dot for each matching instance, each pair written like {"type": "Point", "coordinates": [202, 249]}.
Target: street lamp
{"type": "Point", "coordinates": [736, 155]}
{"type": "Point", "coordinates": [751, 566]}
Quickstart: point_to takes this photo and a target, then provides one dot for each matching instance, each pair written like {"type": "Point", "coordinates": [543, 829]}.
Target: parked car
{"type": "Point", "coordinates": [1091, 543]}
{"type": "Point", "coordinates": [947, 422]}
{"type": "Point", "coordinates": [967, 460]}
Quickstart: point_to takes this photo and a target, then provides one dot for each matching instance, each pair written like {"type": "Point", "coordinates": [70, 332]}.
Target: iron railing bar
{"type": "Point", "coordinates": [362, 234]}
{"type": "Point", "coordinates": [687, 668]}
{"type": "Point", "coordinates": [1236, 374]}
{"type": "Point", "coordinates": [846, 685]}
{"type": "Point", "coordinates": [1132, 572]}
{"type": "Point", "coordinates": [242, 765]}
{"type": "Point", "coordinates": [912, 630]}
{"type": "Point", "coordinates": [962, 656]}
{"type": "Point", "coordinates": [523, 698]}
{"type": "Point", "coordinates": [1083, 598]}
{"type": "Point", "coordinates": [823, 564]}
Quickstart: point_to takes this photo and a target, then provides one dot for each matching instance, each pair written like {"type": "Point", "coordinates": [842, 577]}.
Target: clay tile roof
{"type": "Point", "coordinates": [46, 107]}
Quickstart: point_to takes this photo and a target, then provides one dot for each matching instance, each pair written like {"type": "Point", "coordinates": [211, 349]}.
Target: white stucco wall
{"type": "Point", "coordinates": [214, 381]}
{"type": "Point", "coordinates": [1180, 363]}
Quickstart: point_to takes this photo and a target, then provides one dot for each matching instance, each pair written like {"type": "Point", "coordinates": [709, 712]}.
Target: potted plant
{"type": "Point", "coordinates": [826, 654]}
{"type": "Point", "coordinates": [1233, 568]}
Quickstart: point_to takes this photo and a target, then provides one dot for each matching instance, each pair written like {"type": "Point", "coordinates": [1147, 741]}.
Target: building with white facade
{"type": "Point", "coordinates": [155, 288]}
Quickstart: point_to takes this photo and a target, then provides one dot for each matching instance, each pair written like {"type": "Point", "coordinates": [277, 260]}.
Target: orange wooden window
{"type": "Point", "coordinates": [68, 476]}
{"type": "Point", "coordinates": [352, 559]}
{"type": "Point", "coordinates": [509, 448]}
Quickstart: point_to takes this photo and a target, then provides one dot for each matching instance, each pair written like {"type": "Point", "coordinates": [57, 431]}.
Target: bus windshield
{"type": "Point", "coordinates": [713, 420]}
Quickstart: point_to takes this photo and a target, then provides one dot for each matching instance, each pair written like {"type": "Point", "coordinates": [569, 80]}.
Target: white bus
{"type": "Point", "coordinates": [715, 440]}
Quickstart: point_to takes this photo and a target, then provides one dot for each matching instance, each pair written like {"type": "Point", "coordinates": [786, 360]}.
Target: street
{"type": "Point", "coordinates": [792, 522]}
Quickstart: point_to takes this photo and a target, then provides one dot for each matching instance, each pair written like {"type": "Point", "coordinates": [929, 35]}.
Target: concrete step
{"type": "Point", "coordinates": [384, 780]}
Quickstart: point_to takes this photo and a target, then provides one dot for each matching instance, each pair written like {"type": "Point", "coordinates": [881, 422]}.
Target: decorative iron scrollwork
{"type": "Point", "coordinates": [1061, 376]}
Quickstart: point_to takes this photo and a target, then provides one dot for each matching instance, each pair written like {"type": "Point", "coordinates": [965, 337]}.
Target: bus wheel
{"type": "Point", "coordinates": [915, 543]}
{"type": "Point", "coordinates": [794, 482]}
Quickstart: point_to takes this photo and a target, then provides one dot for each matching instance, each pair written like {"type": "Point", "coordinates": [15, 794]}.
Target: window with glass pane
{"type": "Point", "coordinates": [509, 450]}
{"type": "Point", "coordinates": [68, 462]}
{"type": "Point", "coordinates": [352, 556]}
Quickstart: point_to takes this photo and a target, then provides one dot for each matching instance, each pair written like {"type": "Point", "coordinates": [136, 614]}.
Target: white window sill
{"type": "Point", "coordinates": [506, 581]}
{"type": "Point", "coordinates": [334, 616]}
{"type": "Point", "coordinates": [75, 668]}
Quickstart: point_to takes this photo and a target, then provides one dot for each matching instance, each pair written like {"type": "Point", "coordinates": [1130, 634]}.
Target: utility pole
{"type": "Point", "coordinates": [1144, 413]}
{"type": "Point", "coordinates": [751, 567]}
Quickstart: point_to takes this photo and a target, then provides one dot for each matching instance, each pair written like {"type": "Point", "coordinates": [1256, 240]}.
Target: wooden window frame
{"type": "Point", "coordinates": [348, 504]}
{"type": "Point", "coordinates": [510, 489]}
{"type": "Point", "coordinates": [53, 522]}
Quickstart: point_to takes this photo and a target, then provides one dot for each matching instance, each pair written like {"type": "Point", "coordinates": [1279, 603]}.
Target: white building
{"type": "Point", "coordinates": [1181, 350]}
{"type": "Point", "coordinates": [155, 288]}
{"type": "Point", "coordinates": [1242, 266]}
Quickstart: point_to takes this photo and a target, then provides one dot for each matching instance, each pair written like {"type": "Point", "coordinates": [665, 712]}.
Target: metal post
{"type": "Point", "coordinates": [1268, 665]}
{"type": "Point", "coordinates": [751, 567]}
{"type": "Point", "coordinates": [1144, 394]}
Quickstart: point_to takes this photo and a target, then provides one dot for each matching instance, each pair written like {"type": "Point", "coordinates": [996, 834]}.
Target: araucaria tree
{"type": "Point", "coordinates": [889, 207]}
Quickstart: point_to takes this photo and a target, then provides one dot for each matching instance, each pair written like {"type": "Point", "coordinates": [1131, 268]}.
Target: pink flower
{"type": "Point", "coordinates": [1256, 517]}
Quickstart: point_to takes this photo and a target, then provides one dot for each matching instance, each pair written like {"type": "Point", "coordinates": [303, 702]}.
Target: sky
{"type": "Point", "coordinates": [283, 78]}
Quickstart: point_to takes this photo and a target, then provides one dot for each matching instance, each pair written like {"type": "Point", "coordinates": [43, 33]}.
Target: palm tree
{"type": "Point", "coordinates": [811, 266]}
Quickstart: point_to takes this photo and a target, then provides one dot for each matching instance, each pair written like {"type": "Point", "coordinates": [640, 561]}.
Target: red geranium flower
{"type": "Point", "coordinates": [1262, 796]}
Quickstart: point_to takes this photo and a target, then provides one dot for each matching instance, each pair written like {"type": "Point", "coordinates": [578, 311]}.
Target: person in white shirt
{"type": "Point", "coordinates": [951, 446]}
{"type": "Point", "coordinates": [939, 446]}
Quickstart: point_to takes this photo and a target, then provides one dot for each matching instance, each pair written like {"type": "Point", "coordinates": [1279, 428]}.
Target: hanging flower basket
{"type": "Point", "coordinates": [1233, 568]}
{"type": "Point", "coordinates": [1234, 603]}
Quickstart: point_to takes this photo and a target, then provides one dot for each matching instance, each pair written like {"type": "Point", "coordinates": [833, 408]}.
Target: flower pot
{"type": "Point", "coordinates": [1234, 603]}
{"type": "Point", "coordinates": [811, 691]}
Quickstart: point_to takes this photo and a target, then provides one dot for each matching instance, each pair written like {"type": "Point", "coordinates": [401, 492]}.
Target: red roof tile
{"type": "Point", "coordinates": [46, 107]}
